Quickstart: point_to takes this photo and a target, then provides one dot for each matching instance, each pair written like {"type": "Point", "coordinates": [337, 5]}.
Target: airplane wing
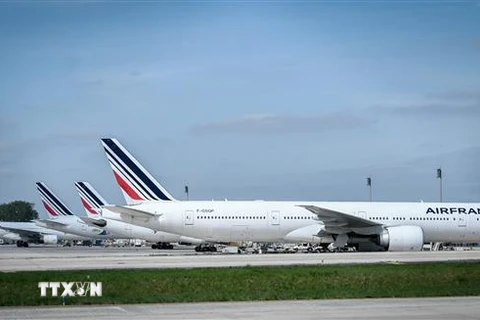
{"type": "Point", "coordinates": [337, 222]}
{"type": "Point", "coordinates": [24, 234]}
{"type": "Point", "coordinates": [94, 222]}
{"type": "Point", "coordinates": [131, 212]}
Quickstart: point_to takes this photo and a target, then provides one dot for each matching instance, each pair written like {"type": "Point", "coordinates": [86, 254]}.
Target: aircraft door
{"type": "Point", "coordinates": [462, 225]}
{"type": "Point", "coordinates": [189, 217]}
{"type": "Point", "coordinates": [275, 218]}
{"type": "Point", "coordinates": [362, 214]}
{"type": "Point", "coordinates": [462, 221]}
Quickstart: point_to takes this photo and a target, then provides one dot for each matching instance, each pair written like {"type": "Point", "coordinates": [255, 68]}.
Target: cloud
{"type": "Point", "coordinates": [281, 124]}
{"type": "Point", "coordinates": [399, 180]}
{"type": "Point", "coordinates": [7, 125]}
{"type": "Point", "coordinates": [12, 152]}
{"type": "Point", "coordinates": [465, 103]}
{"type": "Point", "coordinates": [457, 95]}
{"type": "Point", "coordinates": [128, 75]}
{"type": "Point", "coordinates": [94, 82]}
{"type": "Point", "coordinates": [52, 140]}
{"type": "Point", "coordinates": [439, 110]}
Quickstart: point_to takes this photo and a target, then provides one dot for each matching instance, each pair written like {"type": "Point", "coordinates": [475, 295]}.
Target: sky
{"type": "Point", "coordinates": [288, 100]}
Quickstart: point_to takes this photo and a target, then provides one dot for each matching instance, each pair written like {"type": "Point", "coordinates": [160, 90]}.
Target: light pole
{"type": "Point", "coordinates": [369, 184]}
{"type": "Point", "coordinates": [439, 176]}
{"type": "Point", "coordinates": [186, 191]}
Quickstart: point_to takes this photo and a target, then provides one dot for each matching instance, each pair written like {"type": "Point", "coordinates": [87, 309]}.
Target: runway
{"type": "Point", "coordinates": [77, 258]}
{"type": "Point", "coordinates": [392, 309]}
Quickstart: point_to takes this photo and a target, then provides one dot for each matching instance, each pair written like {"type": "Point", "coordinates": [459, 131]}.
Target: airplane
{"type": "Point", "coordinates": [63, 219]}
{"type": "Point", "coordinates": [24, 233]}
{"type": "Point", "coordinates": [92, 202]}
{"type": "Point", "coordinates": [140, 187]}
{"type": "Point", "coordinates": [387, 226]}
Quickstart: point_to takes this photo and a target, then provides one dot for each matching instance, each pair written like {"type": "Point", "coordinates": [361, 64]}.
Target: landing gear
{"type": "Point", "coordinates": [87, 243]}
{"type": "Point", "coordinates": [322, 248]}
{"type": "Point", "coordinates": [206, 248]}
{"type": "Point", "coordinates": [162, 245]}
{"type": "Point", "coordinates": [22, 244]}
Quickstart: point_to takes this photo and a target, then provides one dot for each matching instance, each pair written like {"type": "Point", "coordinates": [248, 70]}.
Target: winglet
{"type": "Point", "coordinates": [136, 183]}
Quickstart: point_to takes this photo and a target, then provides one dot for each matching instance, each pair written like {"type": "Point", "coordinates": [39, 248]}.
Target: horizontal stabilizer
{"type": "Point", "coordinates": [51, 223]}
{"type": "Point", "coordinates": [131, 212]}
{"type": "Point", "coordinates": [94, 222]}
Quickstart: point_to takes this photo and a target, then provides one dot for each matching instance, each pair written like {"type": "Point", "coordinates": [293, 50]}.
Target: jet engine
{"type": "Point", "coordinates": [12, 236]}
{"type": "Point", "coordinates": [50, 239]}
{"type": "Point", "coordinates": [401, 238]}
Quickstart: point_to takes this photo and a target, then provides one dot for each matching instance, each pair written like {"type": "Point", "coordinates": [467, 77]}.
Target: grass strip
{"type": "Point", "coordinates": [250, 283]}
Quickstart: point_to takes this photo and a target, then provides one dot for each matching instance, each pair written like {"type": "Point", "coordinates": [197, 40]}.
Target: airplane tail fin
{"type": "Point", "coordinates": [92, 201]}
{"type": "Point", "coordinates": [54, 206]}
{"type": "Point", "coordinates": [136, 183]}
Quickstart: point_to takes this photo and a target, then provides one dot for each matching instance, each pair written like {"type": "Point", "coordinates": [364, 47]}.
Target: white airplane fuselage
{"type": "Point", "coordinates": [125, 230]}
{"type": "Point", "coordinates": [271, 221]}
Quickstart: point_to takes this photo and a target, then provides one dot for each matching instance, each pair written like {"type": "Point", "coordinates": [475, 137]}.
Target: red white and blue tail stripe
{"type": "Point", "coordinates": [54, 206]}
{"type": "Point", "coordinates": [136, 183]}
{"type": "Point", "coordinates": [92, 201]}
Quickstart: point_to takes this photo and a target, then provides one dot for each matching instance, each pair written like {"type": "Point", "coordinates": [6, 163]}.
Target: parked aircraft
{"type": "Point", "coordinates": [63, 219]}
{"type": "Point", "coordinates": [92, 202]}
{"type": "Point", "coordinates": [400, 226]}
{"type": "Point", "coordinates": [24, 233]}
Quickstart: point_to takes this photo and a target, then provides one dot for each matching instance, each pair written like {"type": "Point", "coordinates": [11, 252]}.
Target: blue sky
{"type": "Point", "coordinates": [255, 100]}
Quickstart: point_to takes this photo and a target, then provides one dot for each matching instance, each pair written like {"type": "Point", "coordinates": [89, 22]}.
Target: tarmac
{"type": "Point", "coordinates": [40, 258]}
{"type": "Point", "coordinates": [371, 309]}
{"type": "Point", "coordinates": [74, 258]}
